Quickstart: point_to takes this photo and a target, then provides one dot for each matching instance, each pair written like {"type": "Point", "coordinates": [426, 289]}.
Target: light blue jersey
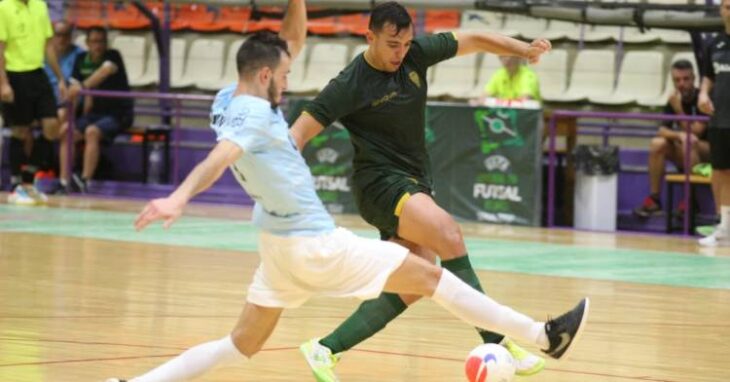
{"type": "Point", "coordinates": [66, 62]}
{"type": "Point", "coordinates": [271, 169]}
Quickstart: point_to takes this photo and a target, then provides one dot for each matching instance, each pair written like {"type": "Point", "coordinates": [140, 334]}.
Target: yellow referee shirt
{"type": "Point", "coordinates": [523, 84]}
{"type": "Point", "coordinates": [24, 28]}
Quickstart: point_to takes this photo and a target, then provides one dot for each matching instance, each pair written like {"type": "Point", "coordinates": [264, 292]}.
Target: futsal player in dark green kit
{"type": "Point", "coordinates": [380, 97]}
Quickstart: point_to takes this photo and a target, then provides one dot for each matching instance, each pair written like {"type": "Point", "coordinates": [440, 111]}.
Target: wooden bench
{"type": "Point", "coordinates": [694, 181]}
{"type": "Point", "coordinates": [153, 133]}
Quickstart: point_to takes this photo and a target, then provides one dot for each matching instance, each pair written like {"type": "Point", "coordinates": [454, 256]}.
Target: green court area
{"type": "Point", "coordinates": [650, 267]}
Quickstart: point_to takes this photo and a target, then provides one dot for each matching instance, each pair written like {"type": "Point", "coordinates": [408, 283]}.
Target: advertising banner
{"type": "Point", "coordinates": [485, 161]}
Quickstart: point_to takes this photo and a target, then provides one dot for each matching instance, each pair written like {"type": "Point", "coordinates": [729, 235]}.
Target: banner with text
{"type": "Point", "coordinates": [485, 161]}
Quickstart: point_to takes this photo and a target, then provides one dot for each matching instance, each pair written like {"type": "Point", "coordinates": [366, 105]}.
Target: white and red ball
{"type": "Point", "coordinates": [490, 363]}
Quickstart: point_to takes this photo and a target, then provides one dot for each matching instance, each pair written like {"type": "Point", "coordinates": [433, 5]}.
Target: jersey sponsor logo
{"type": "Point", "coordinates": [413, 76]}
{"type": "Point", "coordinates": [497, 162]}
{"type": "Point", "coordinates": [384, 99]}
{"type": "Point", "coordinates": [219, 119]}
{"type": "Point", "coordinates": [721, 67]}
{"type": "Point", "coordinates": [327, 155]}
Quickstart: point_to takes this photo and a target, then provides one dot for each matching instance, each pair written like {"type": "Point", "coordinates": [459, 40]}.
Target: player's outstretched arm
{"type": "Point", "coordinates": [304, 129]}
{"type": "Point", "coordinates": [486, 42]}
{"type": "Point", "coordinates": [294, 26]}
{"type": "Point", "coordinates": [202, 177]}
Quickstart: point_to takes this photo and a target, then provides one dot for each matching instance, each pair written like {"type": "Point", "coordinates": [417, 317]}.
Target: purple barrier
{"type": "Point", "coordinates": [175, 98]}
{"type": "Point", "coordinates": [609, 115]}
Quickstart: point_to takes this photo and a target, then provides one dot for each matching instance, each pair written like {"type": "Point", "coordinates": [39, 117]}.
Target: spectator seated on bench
{"type": "Point", "coordinates": [670, 142]}
{"type": "Point", "coordinates": [101, 119]}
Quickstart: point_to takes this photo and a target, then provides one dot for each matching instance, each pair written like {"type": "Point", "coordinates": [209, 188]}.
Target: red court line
{"type": "Point", "coordinates": [28, 339]}
{"type": "Point", "coordinates": [87, 360]}
{"type": "Point", "coordinates": [416, 318]}
{"type": "Point", "coordinates": [400, 318]}
{"type": "Point", "coordinates": [410, 355]}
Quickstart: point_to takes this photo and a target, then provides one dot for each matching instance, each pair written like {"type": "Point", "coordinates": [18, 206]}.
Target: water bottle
{"type": "Point", "coordinates": [155, 164]}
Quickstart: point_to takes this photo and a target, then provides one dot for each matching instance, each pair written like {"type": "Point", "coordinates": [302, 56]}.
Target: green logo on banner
{"type": "Point", "coordinates": [497, 128]}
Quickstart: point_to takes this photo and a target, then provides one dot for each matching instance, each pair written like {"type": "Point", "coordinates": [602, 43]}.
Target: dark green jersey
{"type": "Point", "coordinates": [385, 112]}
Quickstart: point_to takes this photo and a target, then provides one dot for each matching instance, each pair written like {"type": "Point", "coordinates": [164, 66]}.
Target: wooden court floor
{"type": "Point", "coordinates": [83, 297]}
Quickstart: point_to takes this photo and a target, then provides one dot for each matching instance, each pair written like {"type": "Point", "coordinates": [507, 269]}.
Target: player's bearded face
{"type": "Point", "coordinates": [278, 81]}
{"type": "Point", "coordinates": [389, 47]}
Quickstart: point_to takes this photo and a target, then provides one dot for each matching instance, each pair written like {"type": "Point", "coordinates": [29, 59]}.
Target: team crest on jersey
{"type": "Point", "coordinates": [415, 79]}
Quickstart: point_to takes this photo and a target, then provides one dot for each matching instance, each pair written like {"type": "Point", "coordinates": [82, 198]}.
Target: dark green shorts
{"type": "Point", "coordinates": [380, 198]}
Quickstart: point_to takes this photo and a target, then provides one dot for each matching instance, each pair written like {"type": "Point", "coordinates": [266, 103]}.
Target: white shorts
{"type": "Point", "coordinates": [336, 264]}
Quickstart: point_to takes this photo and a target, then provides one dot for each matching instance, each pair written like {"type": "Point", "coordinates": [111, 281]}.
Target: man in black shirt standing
{"type": "Point", "coordinates": [102, 117]}
{"type": "Point", "coordinates": [670, 142]}
{"type": "Point", "coordinates": [714, 100]}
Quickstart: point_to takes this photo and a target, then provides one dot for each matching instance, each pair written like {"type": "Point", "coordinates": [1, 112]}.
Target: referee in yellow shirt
{"type": "Point", "coordinates": [514, 81]}
{"type": "Point", "coordinates": [25, 92]}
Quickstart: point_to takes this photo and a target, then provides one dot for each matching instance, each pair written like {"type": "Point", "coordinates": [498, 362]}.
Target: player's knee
{"type": "Point", "coordinates": [658, 145]}
{"type": "Point", "coordinates": [20, 132]}
{"type": "Point", "coordinates": [246, 344]}
{"type": "Point", "coordinates": [452, 244]}
{"type": "Point", "coordinates": [51, 129]}
{"type": "Point", "coordinates": [92, 133]}
{"type": "Point", "coordinates": [431, 277]}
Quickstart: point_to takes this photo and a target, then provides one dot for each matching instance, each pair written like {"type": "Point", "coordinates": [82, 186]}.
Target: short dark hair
{"type": "Point", "coordinates": [260, 50]}
{"type": "Point", "coordinates": [389, 13]}
{"type": "Point", "coordinates": [683, 65]}
{"type": "Point", "coordinates": [97, 30]}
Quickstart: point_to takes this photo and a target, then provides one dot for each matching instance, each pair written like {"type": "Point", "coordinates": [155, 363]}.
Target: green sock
{"type": "Point", "coordinates": [369, 318]}
{"type": "Point", "coordinates": [461, 267]}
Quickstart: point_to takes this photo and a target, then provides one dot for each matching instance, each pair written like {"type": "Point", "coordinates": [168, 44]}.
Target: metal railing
{"type": "Point", "coordinates": [562, 114]}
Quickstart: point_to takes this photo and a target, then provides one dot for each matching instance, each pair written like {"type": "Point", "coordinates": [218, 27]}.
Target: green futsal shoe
{"type": "Point", "coordinates": [706, 230]}
{"type": "Point", "coordinates": [526, 363]}
{"type": "Point", "coordinates": [320, 360]}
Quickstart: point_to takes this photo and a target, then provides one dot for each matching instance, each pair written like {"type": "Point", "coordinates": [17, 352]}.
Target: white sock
{"type": "Point", "coordinates": [724, 220]}
{"type": "Point", "coordinates": [194, 362]}
{"type": "Point", "coordinates": [481, 311]}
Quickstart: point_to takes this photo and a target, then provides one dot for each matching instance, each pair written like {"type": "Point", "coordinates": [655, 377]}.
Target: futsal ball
{"type": "Point", "coordinates": [490, 363]}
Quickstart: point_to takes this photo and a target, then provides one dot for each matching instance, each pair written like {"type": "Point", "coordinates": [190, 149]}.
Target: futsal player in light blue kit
{"type": "Point", "coordinates": [303, 254]}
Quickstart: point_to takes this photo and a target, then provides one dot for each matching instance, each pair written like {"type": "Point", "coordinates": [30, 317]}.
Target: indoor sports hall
{"type": "Point", "coordinates": [556, 195]}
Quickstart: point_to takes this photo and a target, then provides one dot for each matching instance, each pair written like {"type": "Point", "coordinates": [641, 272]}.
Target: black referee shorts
{"type": "Point", "coordinates": [719, 139]}
{"type": "Point", "coordinates": [34, 99]}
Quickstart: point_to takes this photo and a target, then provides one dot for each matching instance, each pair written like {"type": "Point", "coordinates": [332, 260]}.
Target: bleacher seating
{"type": "Point", "coordinates": [230, 74]}
{"type": "Point", "coordinates": [326, 60]}
{"type": "Point", "coordinates": [526, 27]}
{"type": "Point", "coordinates": [592, 75]}
{"type": "Point", "coordinates": [357, 50]}
{"type": "Point", "coordinates": [125, 16]}
{"type": "Point", "coordinates": [490, 64]}
{"type": "Point", "coordinates": [481, 20]}
{"type": "Point", "coordinates": [178, 77]}
{"type": "Point", "coordinates": [455, 77]}
{"type": "Point", "coordinates": [640, 77]}
{"type": "Point", "coordinates": [552, 72]}
{"type": "Point", "coordinates": [208, 63]}
{"type": "Point", "coordinates": [132, 49]}
{"type": "Point", "coordinates": [204, 64]}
